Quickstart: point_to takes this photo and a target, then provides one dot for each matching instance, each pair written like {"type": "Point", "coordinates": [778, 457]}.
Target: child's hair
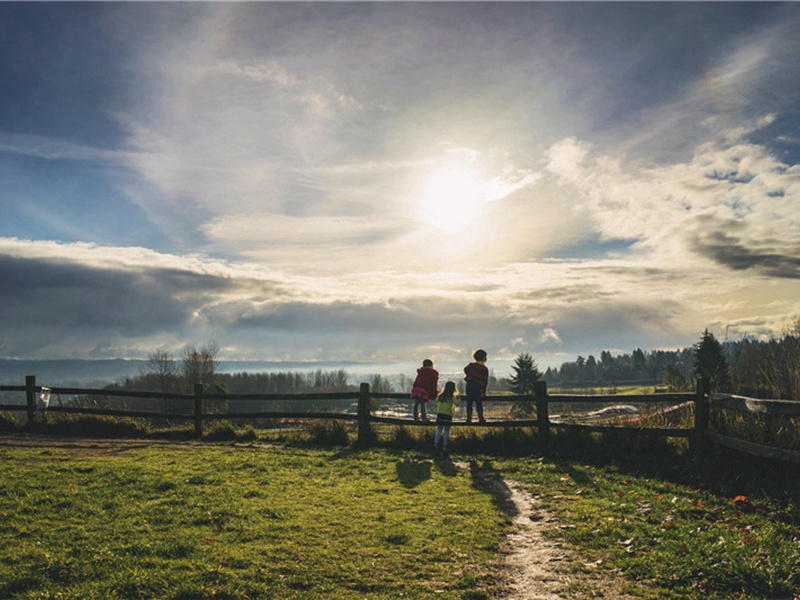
{"type": "Point", "coordinates": [479, 355]}
{"type": "Point", "coordinates": [427, 362]}
{"type": "Point", "coordinates": [449, 390]}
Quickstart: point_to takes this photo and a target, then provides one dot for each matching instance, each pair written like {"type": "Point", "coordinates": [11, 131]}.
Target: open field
{"type": "Point", "coordinates": [149, 519]}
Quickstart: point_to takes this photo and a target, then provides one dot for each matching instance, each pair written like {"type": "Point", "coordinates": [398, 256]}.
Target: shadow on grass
{"type": "Point", "coordinates": [445, 465]}
{"type": "Point", "coordinates": [413, 472]}
{"type": "Point", "coordinates": [577, 475]}
{"type": "Point", "coordinates": [486, 478]}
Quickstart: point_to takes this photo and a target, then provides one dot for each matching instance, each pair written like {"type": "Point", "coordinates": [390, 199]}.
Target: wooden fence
{"type": "Point", "coordinates": [699, 436]}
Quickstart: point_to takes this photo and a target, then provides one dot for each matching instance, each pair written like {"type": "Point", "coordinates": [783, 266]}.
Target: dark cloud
{"type": "Point", "coordinates": [418, 316]}
{"type": "Point", "coordinates": [731, 251]}
{"type": "Point", "coordinates": [49, 301]}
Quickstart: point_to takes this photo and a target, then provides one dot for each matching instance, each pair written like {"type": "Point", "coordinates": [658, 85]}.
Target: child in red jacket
{"type": "Point", "coordinates": [424, 388]}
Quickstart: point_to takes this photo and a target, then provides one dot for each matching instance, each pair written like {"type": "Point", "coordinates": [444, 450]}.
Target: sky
{"type": "Point", "coordinates": [387, 182]}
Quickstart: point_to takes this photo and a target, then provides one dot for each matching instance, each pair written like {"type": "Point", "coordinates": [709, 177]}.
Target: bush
{"type": "Point", "coordinates": [328, 433]}
{"type": "Point", "coordinates": [8, 424]}
{"type": "Point", "coordinates": [91, 426]}
{"type": "Point", "coordinates": [225, 431]}
{"type": "Point", "coordinates": [220, 431]}
{"type": "Point", "coordinates": [403, 438]}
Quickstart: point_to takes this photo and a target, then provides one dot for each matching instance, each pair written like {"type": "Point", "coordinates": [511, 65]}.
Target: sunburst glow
{"type": "Point", "coordinates": [452, 198]}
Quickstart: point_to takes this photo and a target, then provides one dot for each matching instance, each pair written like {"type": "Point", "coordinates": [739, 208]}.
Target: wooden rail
{"type": "Point", "coordinates": [699, 435]}
{"type": "Point", "coordinates": [756, 406]}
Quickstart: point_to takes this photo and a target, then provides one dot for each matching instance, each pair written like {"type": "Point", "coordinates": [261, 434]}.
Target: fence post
{"type": "Point", "coordinates": [30, 398]}
{"type": "Point", "coordinates": [364, 431]}
{"type": "Point", "coordinates": [542, 410]}
{"type": "Point", "coordinates": [700, 415]}
{"type": "Point", "coordinates": [198, 410]}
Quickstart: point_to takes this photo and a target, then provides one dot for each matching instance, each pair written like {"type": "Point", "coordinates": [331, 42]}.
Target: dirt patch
{"type": "Point", "coordinates": [536, 567]}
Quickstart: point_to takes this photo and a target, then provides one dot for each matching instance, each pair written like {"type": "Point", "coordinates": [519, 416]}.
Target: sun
{"type": "Point", "coordinates": [452, 198]}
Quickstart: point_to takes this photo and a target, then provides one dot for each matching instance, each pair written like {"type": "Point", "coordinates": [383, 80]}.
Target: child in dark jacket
{"type": "Point", "coordinates": [477, 378]}
{"type": "Point", "coordinates": [424, 388]}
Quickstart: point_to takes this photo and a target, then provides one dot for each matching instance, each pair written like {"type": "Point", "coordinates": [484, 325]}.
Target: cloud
{"type": "Point", "coordinates": [729, 250]}
{"type": "Point", "coordinates": [729, 202]}
{"type": "Point", "coordinates": [628, 195]}
{"type": "Point", "coordinates": [50, 148]}
{"type": "Point", "coordinates": [550, 335]}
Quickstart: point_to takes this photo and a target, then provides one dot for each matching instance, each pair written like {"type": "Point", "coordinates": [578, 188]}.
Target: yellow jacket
{"type": "Point", "coordinates": [447, 406]}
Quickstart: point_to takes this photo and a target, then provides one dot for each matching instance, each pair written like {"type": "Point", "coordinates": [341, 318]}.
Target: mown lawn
{"type": "Point", "coordinates": [156, 520]}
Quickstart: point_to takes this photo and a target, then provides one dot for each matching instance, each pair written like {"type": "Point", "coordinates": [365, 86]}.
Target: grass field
{"type": "Point", "coordinates": [199, 520]}
{"type": "Point", "coordinates": [204, 521]}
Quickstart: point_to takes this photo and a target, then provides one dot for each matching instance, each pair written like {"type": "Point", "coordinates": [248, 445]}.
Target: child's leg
{"type": "Point", "coordinates": [438, 435]}
{"type": "Point", "coordinates": [479, 407]}
{"type": "Point", "coordinates": [469, 409]}
{"type": "Point", "coordinates": [446, 437]}
{"type": "Point", "coordinates": [423, 410]}
{"type": "Point", "coordinates": [416, 408]}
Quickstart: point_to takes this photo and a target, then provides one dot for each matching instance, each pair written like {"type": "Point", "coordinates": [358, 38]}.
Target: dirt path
{"type": "Point", "coordinates": [535, 566]}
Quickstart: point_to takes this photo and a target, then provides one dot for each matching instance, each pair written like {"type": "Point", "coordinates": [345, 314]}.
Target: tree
{"type": "Point", "coordinates": [161, 369]}
{"type": "Point", "coordinates": [523, 381]}
{"type": "Point", "coordinates": [200, 366]}
{"type": "Point", "coordinates": [781, 365]}
{"type": "Point", "coordinates": [526, 373]}
{"type": "Point", "coordinates": [710, 362]}
{"type": "Point", "coordinates": [674, 379]}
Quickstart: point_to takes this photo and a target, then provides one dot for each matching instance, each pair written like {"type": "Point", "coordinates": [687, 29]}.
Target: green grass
{"type": "Point", "coordinates": [669, 539]}
{"type": "Point", "coordinates": [184, 520]}
{"type": "Point", "coordinates": [202, 521]}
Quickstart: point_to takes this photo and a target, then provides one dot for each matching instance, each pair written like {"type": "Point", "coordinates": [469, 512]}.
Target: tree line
{"type": "Point", "coordinates": [657, 366]}
{"type": "Point", "coordinates": [163, 372]}
{"type": "Point", "coordinates": [748, 367]}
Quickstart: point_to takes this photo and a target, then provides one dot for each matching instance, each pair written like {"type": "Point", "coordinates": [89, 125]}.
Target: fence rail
{"type": "Point", "coordinates": [700, 435]}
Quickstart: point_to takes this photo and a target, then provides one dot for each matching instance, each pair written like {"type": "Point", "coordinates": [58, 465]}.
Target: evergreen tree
{"type": "Point", "coordinates": [710, 361]}
{"type": "Point", "coordinates": [526, 373]}
{"type": "Point", "coordinates": [674, 379]}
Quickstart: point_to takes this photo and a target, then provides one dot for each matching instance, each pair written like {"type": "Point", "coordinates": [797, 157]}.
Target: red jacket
{"type": "Point", "coordinates": [428, 380]}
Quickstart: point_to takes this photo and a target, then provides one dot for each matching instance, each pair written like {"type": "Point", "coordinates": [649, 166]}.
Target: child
{"type": "Point", "coordinates": [477, 378]}
{"type": "Point", "coordinates": [446, 404]}
{"type": "Point", "coordinates": [425, 387]}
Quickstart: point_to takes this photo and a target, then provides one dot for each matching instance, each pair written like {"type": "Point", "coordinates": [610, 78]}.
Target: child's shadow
{"type": "Point", "coordinates": [445, 465]}
{"type": "Point", "coordinates": [413, 472]}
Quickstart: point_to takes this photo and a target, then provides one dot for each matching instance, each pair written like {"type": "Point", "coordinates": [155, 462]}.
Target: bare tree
{"type": "Point", "coordinates": [781, 366]}
{"type": "Point", "coordinates": [162, 369]}
{"type": "Point", "coordinates": [200, 366]}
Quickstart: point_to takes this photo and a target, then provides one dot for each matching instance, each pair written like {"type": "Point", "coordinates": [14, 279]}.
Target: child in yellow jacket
{"type": "Point", "coordinates": [446, 403]}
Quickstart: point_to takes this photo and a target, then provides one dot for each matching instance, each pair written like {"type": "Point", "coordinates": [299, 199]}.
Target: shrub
{"type": "Point", "coordinates": [91, 426]}
{"type": "Point", "coordinates": [403, 438]}
{"type": "Point", "coordinates": [8, 424]}
{"type": "Point", "coordinates": [328, 433]}
{"type": "Point", "coordinates": [221, 431]}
